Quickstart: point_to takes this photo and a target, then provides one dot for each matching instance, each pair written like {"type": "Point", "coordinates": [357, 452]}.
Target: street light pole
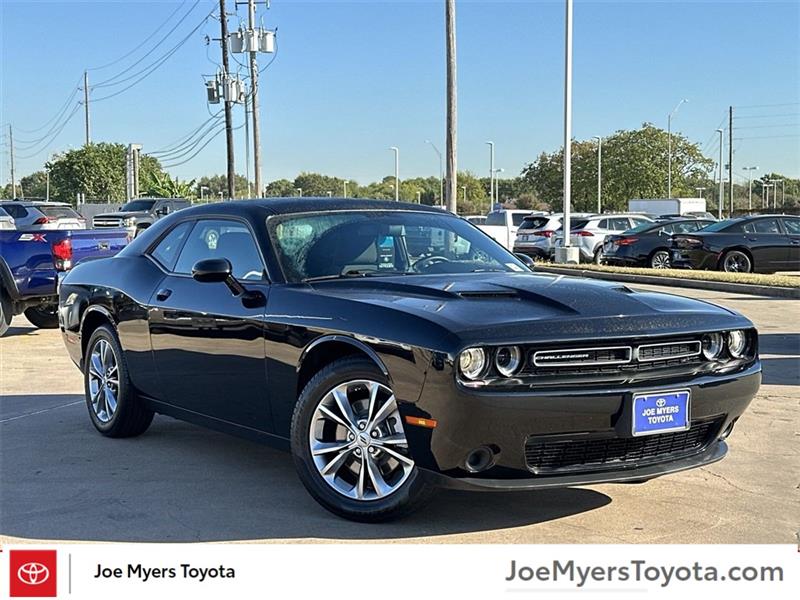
{"type": "Point", "coordinates": [344, 183]}
{"type": "Point", "coordinates": [669, 145]}
{"type": "Point", "coordinates": [491, 172]}
{"type": "Point", "coordinates": [721, 188]}
{"type": "Point", "coordinates": [496, 172]}
{"type": "Point", "coordinates": [700, 189]}
{"type": "Point", "coordinates": [567, 130]}
{"type": "Point", "coordinates": [464, 191]}
{"type": "Point", "coordinates": [599, 169]}
{"type": "Point", "coordinates": [441, 172]}
{"type": "Point", "coordinates": [299, 191]}
{"type": "Point", "coordinates": [749, 185]}
{"type": "Point", "coordinates": [396, 151]}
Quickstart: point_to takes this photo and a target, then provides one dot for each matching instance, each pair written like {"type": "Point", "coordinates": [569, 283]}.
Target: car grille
{"type": "Point", "coordinates": [546, 456]}
{"type": "Point", "coordinates": [106, 222]}
{"type": "Point", "coordinates": [616, 358]}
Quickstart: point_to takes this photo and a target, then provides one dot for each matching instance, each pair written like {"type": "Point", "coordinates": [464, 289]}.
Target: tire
{"type": "Point", "coordinates": [659, 259]}
{"type": "Point", "coordinates": [130, 416]}
{"type": "Point", "coordinates": [5, 313]}
{"type": "Point", "coordinates": [598, 255]}
{"type": "Point", "coordinates": [353, 489]}
{"type": "Point", "coordinates": [736, 261]}
{"type": "Point", "coordinates": [43, 316]}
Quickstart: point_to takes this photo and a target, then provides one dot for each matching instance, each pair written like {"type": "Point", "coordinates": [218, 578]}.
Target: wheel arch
{"type": "Point", "coordinates": [93, 317]}
{"type": "Point", "coordinates": [742, 249]}
{"type": "Point", "coordinates": [329, 348]}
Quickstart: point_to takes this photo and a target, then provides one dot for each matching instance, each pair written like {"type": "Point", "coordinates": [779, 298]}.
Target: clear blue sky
{"type": "Point", "coordinates": [353, 78]}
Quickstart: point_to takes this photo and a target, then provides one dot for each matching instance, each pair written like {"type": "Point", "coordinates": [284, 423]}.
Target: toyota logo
{"type": "Point", "coordinates": [660, 403]}
{"type": "Point", "coordinates": [33, 573]}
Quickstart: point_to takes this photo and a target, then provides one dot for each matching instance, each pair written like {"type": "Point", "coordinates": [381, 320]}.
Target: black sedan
{"type": "Point", "coordinates": [763, 244]}
{"type": "Point", "coordinates": [394, 348]}
{"type": "Point", "coordinates": [647, 245]}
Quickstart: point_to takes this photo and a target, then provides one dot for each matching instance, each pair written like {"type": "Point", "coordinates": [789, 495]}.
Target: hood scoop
{"type": "Point", "coordinates": [488, 294]}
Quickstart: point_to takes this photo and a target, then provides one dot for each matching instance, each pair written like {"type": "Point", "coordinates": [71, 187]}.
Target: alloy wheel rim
{"type": "Point", "coordinates": [660, 260]}
{"type": "Point", "coordinates": [736, 263]}
{"type": "Point", "coordinates": [103, 381]}
{"type": "Point", "coordinates": [357, 441]}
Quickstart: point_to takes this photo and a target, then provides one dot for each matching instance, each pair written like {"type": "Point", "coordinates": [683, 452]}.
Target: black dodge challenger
{"type": "Point", "coordinates": [395, 348]}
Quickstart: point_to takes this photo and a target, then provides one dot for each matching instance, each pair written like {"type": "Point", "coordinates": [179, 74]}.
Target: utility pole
{"type": "Point", "coordinates": [251, 14]}
{"type": "Point", "coordinates": [669, 147]}
{"type": "Point", "coordinates": [247, 146]}
{"type": "Point", "coordinates": [13, 169]}
{"type": "Point", "coordinates": [721, 166]}
{"type": "Point", "coordinates": [730, 157]}
{"type": "Point", "coordinates": [599, 169]}
{"type": "Point", "coordinates": [86, 105]}
{"type": "Point", "coordinates": [567, 253]}
{"type": "Point", "coordinates": [441, 172]}
{"type": "Point", "coordinates": [452, 116]}
{"type": "Point", "coordinates": [231, 170]}
{"type": "Point", "coordinates": [396, 151]}
{"type": "Point", "coordinates": [491, 173]}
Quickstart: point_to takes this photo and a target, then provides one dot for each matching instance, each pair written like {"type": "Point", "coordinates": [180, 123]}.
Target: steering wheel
{"type": "Point", "coordinates": [429, 261]}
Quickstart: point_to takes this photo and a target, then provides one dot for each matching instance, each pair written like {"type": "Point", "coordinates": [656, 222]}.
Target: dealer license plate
{"type": "Point", "coordinates": [661, 412]}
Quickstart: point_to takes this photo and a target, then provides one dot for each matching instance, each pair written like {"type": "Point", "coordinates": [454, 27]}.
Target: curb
{"type": "Point", "coordinates": [698, 284]}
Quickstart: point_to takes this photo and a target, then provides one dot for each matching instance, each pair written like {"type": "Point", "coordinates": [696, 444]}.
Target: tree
{"type": "Point", "coordinates": [96, 170]}
{"type": "Point", "coordinates": [634, 166]}
{"type": "Point", "coordinates": [162, 185]}
{"type": "Point", "coordinates": [219, 183]}
{"type": "Point", "coordinates": [280, 188]}
{"type": "Point", "coordinates": [33, 185]}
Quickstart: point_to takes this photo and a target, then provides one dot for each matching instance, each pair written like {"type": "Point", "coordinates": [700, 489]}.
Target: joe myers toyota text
{"type": "Point", "coordinates": [395, 348]}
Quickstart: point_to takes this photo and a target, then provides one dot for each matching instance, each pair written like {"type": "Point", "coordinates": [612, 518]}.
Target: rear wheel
{"type": "Point", "coordinates": [114, 407]}
{"type": "Point", "coordinates": [660, 260]}
{"type": "Point", "coordinates": [736, 261]}
{"type": "Point", "coordinates": [599, 257]}
{"type": "Point", "coordinates": [5, 313]}
{"type": "Point", "coordinates": [44, 316]}
{"type": "Point", "coordinates": [349, 445]}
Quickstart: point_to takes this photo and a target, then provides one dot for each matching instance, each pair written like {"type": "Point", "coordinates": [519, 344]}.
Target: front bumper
{"type": "Point", "coordinates": [506, 422]}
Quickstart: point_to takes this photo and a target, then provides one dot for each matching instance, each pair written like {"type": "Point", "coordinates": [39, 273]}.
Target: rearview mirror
{"type": "Point", "coordinates": [527, 260]}
{"type": "Point", "coordinates": [212, 270]}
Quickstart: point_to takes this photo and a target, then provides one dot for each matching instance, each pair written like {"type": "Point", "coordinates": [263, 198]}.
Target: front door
{"type": "Point", "coordinates": [768, 244]}
{"type": "Point", "coordinates": [208, 347]}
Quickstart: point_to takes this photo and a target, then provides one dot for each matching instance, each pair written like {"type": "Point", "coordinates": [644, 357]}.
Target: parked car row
{"type": "Point", "coordinates": [32, 215]}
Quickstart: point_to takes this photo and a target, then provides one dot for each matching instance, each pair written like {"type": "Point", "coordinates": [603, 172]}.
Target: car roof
{"type": "Point", "coordinates": [295, 205]}
{"type": "Point", "coordinates": [34, 203]}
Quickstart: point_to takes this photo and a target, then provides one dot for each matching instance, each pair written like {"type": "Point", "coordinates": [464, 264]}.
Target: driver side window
{"type": "Point", "coordinates": [219, 238]}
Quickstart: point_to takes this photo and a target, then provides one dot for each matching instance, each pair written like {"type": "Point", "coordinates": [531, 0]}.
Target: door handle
{"type": "Point", "coordinates": [163, 294]}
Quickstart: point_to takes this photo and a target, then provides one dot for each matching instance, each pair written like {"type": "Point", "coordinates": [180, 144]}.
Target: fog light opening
{"type": "Point", "coordinates": [480, 459]}
{"type": "Point", "coordinates": [728, 430]}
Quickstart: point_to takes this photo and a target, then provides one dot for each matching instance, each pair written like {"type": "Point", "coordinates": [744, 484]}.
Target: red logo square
{"type": "Point", "coordinates": [33, 574]}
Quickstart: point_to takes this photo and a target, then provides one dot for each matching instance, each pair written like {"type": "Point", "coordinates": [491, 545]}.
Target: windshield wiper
{"type": "Point", "coordinates": [355, 273]}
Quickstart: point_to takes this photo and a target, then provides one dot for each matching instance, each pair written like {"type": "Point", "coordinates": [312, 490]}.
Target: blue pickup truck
{"type": "Point", "coordinates": [30, 262]}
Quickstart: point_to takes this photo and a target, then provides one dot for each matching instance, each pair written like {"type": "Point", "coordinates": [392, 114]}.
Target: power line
{"type": "Point", "coordinates": [767, 126]}
{"type": "Point", "coordinates": [55, 134]}
{"type": "Point", "coordinates": [189, 145]}
{"type": "Point", "coordinates": [768, 137]}
{"type": "Point", "coordinates": [153, 66]}
{"type": "Point", "coordinates": [768, 116]}
{"type": "Point", "coordinates": [183, 139]}
{"type": "Point", "coordinates": [767, 105]}
{"type": "Point", "coordinates": [56, 117]}
{"type": "Point", "coordinates": [110, 81]}
{"type": "Point", "coordinates": [212, 138]}
{"type": "Point", "coordinates": [143, 42]}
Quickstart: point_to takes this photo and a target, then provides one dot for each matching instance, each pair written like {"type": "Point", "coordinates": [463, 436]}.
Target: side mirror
{"type": "Point", "coordinates": [220, 270]}
{"type": "Point", "coordinates": [212, 270]}
{"type": "Point", "coordinates": [527, 260]}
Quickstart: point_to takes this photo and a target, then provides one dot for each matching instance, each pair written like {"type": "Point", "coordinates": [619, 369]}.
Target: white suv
{"type": "Point", "coordinates": [588, 233]}
{"type": "Point", "coordinates": [537, 233]}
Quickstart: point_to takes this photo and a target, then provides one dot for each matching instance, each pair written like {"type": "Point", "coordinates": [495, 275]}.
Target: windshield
{"type": "Point", "coordinates": [374, 243]}
{"type": "Point", "coordinates": [138, 205]}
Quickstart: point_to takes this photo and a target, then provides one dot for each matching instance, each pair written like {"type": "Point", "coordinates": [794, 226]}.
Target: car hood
{"type": "Point", "coordinates": [123, 215]}
{"type": "Point", "coordinates": [521, 306]}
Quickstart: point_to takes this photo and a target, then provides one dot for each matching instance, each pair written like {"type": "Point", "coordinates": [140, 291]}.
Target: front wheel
{"type": "Point", "coordinates": [599, 257]}
{"type": "Point", "coordinates": [736, 261]}
{"type": "Point", "coordinates": [44, 316]}
{"type": "Point", "coordinates": [349, 445]}
{"type": "Point", "coordinates": [5, 313]}
{"type": "Point", "coordinates": [114, 407]}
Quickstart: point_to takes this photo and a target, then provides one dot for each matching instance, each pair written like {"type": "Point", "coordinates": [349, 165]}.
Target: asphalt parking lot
{"type": "Point", "coordinates": [60, 480]}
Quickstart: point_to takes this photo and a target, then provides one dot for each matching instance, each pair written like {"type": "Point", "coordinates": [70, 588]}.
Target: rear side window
{"type": "Point", "coordinates": [792, 226]}
{"type": "Point", "coordinates": [517, 218]}
{"type": "Point", "coordinates": [619, 224]}
{"type": "Point", "coordinates": [16, 211]}
{"type": "Point", "coordinates": [167, 249]}
{"type": "Point", "coordinates": [496, 218]}
{"type": "Point", "coordinates": [763, 226]}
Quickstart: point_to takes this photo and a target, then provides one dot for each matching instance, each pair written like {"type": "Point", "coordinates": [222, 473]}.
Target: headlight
{"type": "Point", "coordinates": [737, 343]}
{"type": "Point", "coordinates": [127, 222]}
{"type": "Point", "coordinates": [712, 345]}
{"type": "Point", "coordinates": [507, 360]}
{"type": "Point", "coordinates": [471, 362]}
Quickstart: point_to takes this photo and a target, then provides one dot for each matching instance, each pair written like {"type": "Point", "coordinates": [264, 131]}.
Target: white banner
{"type": "Point", "coordinates": [388, 572]}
